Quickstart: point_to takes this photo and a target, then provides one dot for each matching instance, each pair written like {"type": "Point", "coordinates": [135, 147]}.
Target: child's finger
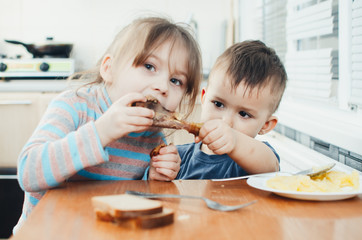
{"type": "Point", "coordinates": [154, 175]}
{"type": "Point", "coordinates": [167, 173]}
{"type": "Point", "coordinates": [168, 149]}
{"type": "Point", "coordinates": [197, 139]}
{"type": "Point", "coordinates": [140, 111]}
{"type": "Point", "coordinates": [167, 158]}
{"type": "Point", "coordinates": [169, 164]}
{"type": "Point", "coordinates": [207, 128]}
{"type": "Point", "coordinates": [130, 98]}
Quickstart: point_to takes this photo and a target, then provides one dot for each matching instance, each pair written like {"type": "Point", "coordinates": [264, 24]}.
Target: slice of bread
{"type": "Point", "coordinates": [156, 220]}
{"type": "Point", "coordinates": [123, 206]}
{"type": "Point", "coordinates": [148, 221]}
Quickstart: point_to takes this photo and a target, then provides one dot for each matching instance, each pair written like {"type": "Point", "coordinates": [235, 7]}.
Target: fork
{"type": "Point", "coordinates": [211, 204]}
{"type": "Point", "coordinates": [312, 172]}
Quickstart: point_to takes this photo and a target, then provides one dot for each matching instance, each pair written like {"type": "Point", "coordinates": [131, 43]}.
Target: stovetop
{"type": "Point", "coordinates": [42, 68]}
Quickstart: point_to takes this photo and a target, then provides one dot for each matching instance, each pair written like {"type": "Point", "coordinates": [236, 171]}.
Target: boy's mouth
{"type": "Point", "coordinates": [166, 119]}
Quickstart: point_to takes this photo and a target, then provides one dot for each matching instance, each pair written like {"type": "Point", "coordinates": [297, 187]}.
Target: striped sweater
{"type": "Point", "coordinates": [65, 146]}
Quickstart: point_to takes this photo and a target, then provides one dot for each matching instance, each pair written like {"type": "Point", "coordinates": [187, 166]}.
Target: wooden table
{"type": "Point", "coordinates": [67, 213]}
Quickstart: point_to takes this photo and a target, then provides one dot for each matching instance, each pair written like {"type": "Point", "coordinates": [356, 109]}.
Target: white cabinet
{"type": "Point", "coordinates": [19, 115]}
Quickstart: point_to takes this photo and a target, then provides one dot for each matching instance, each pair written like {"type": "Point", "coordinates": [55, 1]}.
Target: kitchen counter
{"type": "Point", "coordinates": [36, 85]}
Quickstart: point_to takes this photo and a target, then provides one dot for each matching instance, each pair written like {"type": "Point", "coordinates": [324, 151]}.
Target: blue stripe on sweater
{"type": "Point", "coordinates": [145, 134]}
{"type": "Point", "coordinates": [33, 200]}
{"type": "Point", "coordinates": [21, 167]}
{"type": "Point", "coordinates": [81, 107]}
{"type": "Point", "coordinates": [52, 129]}
{"type": "Point", "coordinates": [46, 167]}
{"type": "Point", "coordinates": [105, 93]}
{"type": "Point", "coordinates": [68, 108]}
{"type": "Point", "coordinates": [128, 154]}
{"type": "Point", "coordinates": [103, 104]}
{"type": "Point", "coordinates": [97, 176]}
{"type": "Point", "coordinates": [105, 155]}
{"type": "Point", "coordinates": [74, 152]}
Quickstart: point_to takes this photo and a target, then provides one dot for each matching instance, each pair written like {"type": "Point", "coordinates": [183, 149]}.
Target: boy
{"type": "Point", "coordinates": [244, 89]}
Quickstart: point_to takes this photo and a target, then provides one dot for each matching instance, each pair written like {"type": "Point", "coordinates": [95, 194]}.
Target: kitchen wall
{"type": "Point", "coordinates": [91, 24]}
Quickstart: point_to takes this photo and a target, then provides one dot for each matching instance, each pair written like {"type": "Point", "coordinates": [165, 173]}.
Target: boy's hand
{"type": "Point", "coordinates": [166, 165]}
{"type": "Point", "coordinates": [121, 119]}
{"type": "Point", "coordinates": [218, 136]}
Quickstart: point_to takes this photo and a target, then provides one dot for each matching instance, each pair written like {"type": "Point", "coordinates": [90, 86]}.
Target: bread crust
{"type": "Point", "coordinates": [136, 213]}
{"type": "Point", "coordinates": [123, 206]}
{"type": "Point", "coordinates": [164, 218]}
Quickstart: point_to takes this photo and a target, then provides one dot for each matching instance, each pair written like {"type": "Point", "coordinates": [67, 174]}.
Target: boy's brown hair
{"type": "Point", "coordinates": [256, 65]}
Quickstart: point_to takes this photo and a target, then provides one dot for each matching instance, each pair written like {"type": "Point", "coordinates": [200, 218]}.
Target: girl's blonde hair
{"type": "Point", "coordinates": [139, 39]}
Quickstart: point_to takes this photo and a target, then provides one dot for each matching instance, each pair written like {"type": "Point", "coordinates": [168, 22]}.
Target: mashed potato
{"type": "Point", "coordinates": [333, 181]}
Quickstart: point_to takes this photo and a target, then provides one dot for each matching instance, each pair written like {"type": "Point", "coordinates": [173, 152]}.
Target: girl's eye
{"type": "Point", "coordinates": [176, 81]}
{"type": "Point", "coordinates": [218, 104]}
{"type": "Point", "coordinates": [150, 67]}
{"type": "Point", "coordinates": [244, 114]}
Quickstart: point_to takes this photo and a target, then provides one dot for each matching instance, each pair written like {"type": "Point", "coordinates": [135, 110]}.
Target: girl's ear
{"type": "Point", "coordinates": [203, 91]}
{"type": "Point", "coordinates": [269, 125]}
{"type": "Point", "coordinates": [105, 69]}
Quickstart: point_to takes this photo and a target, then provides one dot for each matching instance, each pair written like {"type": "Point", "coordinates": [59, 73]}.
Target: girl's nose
{"type": "Point", "coordinates": [161, 85]}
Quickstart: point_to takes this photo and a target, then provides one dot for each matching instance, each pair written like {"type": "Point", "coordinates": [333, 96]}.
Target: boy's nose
{"type": "Point", "coordinates": [228, 119]}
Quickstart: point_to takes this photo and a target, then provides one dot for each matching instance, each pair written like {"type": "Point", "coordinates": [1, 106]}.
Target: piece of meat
{"type": "Point", "coordinates": [167, 119]}
{"type": "Point", "coordinates": [156, 150]}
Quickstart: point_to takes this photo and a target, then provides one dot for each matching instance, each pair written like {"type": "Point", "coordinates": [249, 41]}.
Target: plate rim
{"type": "Point", "coordinates": [320, 196]}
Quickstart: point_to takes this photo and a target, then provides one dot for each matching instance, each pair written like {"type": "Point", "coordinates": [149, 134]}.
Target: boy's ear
{"type": "Point", "coordinates": [269, 125]}
{"type": "Point", "coordinates": [203, 91]}
{"type": "Point", "coordinates": [105, 69]}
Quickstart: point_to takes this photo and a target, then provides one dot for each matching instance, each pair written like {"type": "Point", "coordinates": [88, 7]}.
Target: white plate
{"type": "Point", "coordinates": [260, 183]}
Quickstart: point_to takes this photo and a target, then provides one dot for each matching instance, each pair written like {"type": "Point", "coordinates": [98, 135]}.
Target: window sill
{"type": "Point", "coordinates": [339, 127]}
{"type": "Point", "coordinates": [295, 157]}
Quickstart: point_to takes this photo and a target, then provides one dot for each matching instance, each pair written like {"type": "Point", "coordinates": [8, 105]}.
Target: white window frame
{"type": "Point", "coordinates": [336, 124]}
{"type": "Point", "coordinates": [345, 61]}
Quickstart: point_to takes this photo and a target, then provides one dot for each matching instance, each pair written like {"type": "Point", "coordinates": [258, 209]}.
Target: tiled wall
{"type": "Point", "coordinates": [339, 154]}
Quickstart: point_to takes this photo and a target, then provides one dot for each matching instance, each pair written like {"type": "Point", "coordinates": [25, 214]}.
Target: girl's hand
{"type": "Point", "coordinates": [121, 119]}
{"type": "Point", "coordinates": [218, 136]}
{"type": "Point", "coordinates": [166, 165]}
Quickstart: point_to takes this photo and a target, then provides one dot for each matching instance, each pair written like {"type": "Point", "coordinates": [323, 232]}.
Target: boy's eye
{"type": "Point", "coordinates": [176, 81]}
{"type": "Point", "coordinates": [218, 104]}
{"type": "Point", "coordinates": [244, 114]}
{"type": "Point", "coordinates": [150, 67]}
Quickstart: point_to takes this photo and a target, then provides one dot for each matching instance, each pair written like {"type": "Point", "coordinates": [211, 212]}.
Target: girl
{"type": "Point", "coordinates": [94, 133]}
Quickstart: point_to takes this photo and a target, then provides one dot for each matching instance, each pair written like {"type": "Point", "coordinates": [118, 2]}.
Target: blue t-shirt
{"type": "Point", "coordinates": [196, 164]}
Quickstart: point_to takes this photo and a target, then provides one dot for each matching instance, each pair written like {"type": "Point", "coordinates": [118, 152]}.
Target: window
{"type": "Point", "coordinates": [320, 43]}
{"type": "Point", "coordinates": [355, 52]}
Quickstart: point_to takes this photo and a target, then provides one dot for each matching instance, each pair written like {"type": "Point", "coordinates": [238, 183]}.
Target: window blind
{"type": "Point", "coordinates": [313, 20]}
{"type": "Point", "coordinates": [312, 69]}
{"type": "Point", "coordinates": [356, 52]}
{"type": "Point", "coordinates": [274, 20]}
